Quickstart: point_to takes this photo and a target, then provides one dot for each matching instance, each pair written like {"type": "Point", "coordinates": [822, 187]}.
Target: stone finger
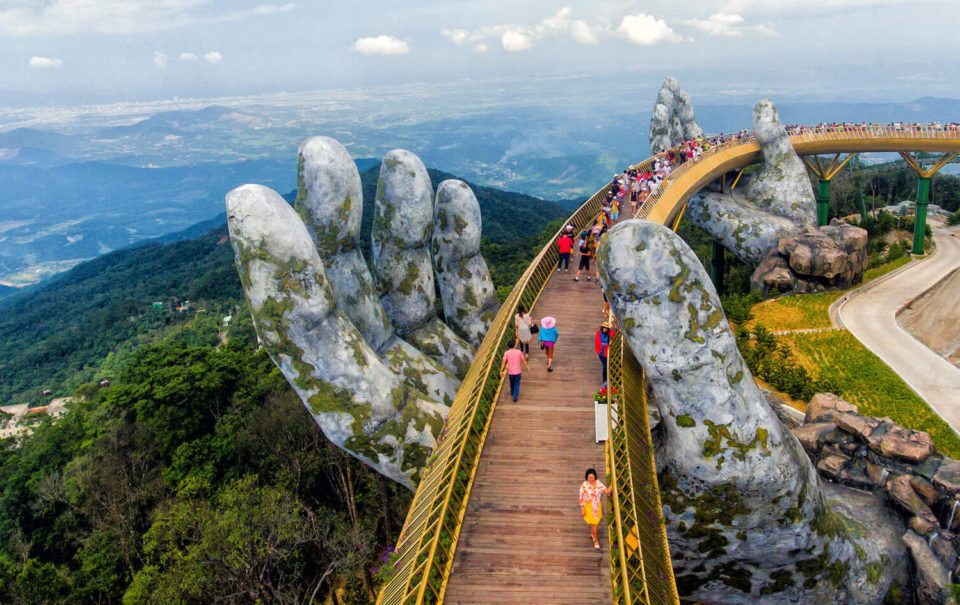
{"type": "Point", "coordinates": [359, 403]}
{"type": "Point", "coordinates": [330, 202]}
{"type": "Point", "coordinates": [402, 229]}
{"type": "Point", "coordinates": [741, 226]}
{"type": "Point", "coordinates": [735, 485]}
{"type": "Point", "coordinates": [782, 185]}
{"type": "Point", "coordinates": [466, 289]}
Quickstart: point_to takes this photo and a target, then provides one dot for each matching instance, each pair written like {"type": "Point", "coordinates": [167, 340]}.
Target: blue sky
{"type": "Point", "coordinates": [74, 51]}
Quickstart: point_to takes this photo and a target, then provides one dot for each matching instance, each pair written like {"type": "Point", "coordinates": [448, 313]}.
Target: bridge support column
{"type": "Point", "coordinates": [923, 195]}
{"type": "Point", "coordinates": [718, 266]}
{"type": "Point", "coordinates": [825, 174]}
{"type": "Point", "coordinates": [823, 202]}
{"type": "Point", "coordinates": [920, 218]}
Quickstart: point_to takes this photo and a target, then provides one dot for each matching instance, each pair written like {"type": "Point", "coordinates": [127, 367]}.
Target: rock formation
{"type": "Point", "coordinates": [812, 260]}
{"type": "Point", "coordinates": [672, 121]}
{"type": "Point", "coordinates": [469, 298]}
{"type": "Point", "coordinates": [402, 229]}
{"type": "Point", "coordinates": [748, 519]}
{"type": "Point", "coordinates": [772, 224]}
{"type": "Point", "coordinates": [365, 352]}
{"type": "Point", "coordinates": [878, 455]}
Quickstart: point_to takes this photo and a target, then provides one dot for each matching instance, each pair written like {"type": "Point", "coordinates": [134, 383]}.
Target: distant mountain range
{"type": "Point", "coordinates": [75, 195]}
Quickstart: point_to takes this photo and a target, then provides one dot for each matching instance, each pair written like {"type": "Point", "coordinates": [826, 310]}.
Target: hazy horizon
{"type": "Point", "coordinates": [72, 52]}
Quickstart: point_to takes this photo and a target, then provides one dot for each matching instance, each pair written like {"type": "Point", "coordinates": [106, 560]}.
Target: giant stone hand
{"type": "Point", "coordinates": [672, 121]}
{"type": "Point", "coordinates": [778, 202]}
{"type": "Point", "coordinates": [366, 352]}
{"type": "Point", "coordinates": [747, 517]}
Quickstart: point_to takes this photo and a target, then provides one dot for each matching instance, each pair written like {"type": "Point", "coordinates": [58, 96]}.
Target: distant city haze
{"type": "Point", "coordinates": [121, 122]}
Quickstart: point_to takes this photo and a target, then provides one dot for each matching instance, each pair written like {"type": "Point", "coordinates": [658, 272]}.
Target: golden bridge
{"type": "Point", "coordinates": [495, 518]}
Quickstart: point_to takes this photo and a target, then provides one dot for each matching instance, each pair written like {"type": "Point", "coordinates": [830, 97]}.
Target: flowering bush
{"type": "Point", "coordinates": [388, 560]}
{"type": "Point", "coordinates": [601, 395]}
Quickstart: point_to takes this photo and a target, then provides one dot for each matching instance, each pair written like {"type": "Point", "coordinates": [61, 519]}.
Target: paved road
{"type": "Point", "coordinates": [871, 317]}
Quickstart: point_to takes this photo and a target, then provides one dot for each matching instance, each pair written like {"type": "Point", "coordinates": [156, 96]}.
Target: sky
{"type": "Point", "coordinates": [56, 52]}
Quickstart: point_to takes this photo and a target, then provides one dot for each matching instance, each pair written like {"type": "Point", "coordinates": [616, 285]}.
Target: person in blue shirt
{"type": "Point", "coordinates": [548, 338]}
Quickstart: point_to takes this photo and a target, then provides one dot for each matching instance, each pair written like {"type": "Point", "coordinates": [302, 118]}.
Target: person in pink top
{"type": "Point", "coordinates": [513, 359]}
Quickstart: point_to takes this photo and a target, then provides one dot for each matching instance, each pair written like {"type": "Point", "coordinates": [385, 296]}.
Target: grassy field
{"type": "Point", "coordinates": [871, 274]}
{"type": "Point", "coordinates": [809, 311]}
{"type": "Point", "coordinates": [795, 312]}
{"type": "Point", "coordinates": [838, 356]}
{"type": "Point", "coordinates": [869, 383]}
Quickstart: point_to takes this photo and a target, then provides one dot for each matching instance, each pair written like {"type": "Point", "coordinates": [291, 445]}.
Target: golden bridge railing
{"type": "Point", "coordinates": [664, 205]}
{"type": "Point", "coordinates": [640, 566]}
{"type": "Point", "coordinates": [424, 553]}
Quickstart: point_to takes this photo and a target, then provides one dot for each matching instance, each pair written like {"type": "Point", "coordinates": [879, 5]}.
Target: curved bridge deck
{"type": "Point", "coordinates": [523, 540]}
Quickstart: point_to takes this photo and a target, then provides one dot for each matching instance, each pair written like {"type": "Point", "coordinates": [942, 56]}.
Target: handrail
{"type": "Point", "coordinates": [640, 565]}
{"type": "Point", "coordinates": [425, 551]}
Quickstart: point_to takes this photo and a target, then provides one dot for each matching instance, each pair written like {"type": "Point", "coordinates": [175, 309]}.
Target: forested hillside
{"type": "Point", "coordinates": [81, 325]}
{"type": "Point", "coordinates": [197, 473]}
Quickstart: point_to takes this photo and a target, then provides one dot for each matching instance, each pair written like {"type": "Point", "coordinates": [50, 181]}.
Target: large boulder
{"type": "Point", "coordinates": [834, 256]}
{"type": "Point", "coordinates": [931, 575]}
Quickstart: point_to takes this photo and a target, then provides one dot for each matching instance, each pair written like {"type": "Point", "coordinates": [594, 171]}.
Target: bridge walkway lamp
{"type": "Point", "coordinates": [923, 195]}
{"type": "Point", "coordinates": [825, 175]}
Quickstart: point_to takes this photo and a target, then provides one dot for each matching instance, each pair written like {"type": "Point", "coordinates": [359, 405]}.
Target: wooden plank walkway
{"type": "Point", "coordinates": [523, 539]}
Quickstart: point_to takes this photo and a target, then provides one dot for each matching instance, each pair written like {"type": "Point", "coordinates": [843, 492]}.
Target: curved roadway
{"type": "Point", "coordinates": [871, 316]}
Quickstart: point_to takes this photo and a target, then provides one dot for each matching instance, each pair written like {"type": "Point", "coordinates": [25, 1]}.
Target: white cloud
{"type": "Point", "coordinates": [583, 33]}
{"type": "Point", "coordinates": [65, 17]}
{"type": "Point", "coordinates": [646, 30]}
{"type": "Point", "coordinates": [159, 59]}
{"type": "Point", "coordinates": [45, 62]}
{"type": "Point", "coordinates": [719, 24]}
{"type": "Point", "coordinates": [189, 57]}
{"type": "Point", "coordinates": [515, 41]}
{"type": "Point", "coordinates": [727, 24]}
{"type": "Point", "coordinates": [212, 57]}
{"type": "Point", "coordinates": [381, 45]}
{"type": "Point", "coordinates": [515, 38]}
{"type": "Point", "coordinates": [461, 36]}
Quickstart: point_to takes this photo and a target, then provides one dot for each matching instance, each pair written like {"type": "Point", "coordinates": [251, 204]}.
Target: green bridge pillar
{"type": "Point", "coordinates": [717, 266]}
{"type": "Point", "coordinates": [823, 202]}
{"type": "Point", "coordinates": [920, 218]}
